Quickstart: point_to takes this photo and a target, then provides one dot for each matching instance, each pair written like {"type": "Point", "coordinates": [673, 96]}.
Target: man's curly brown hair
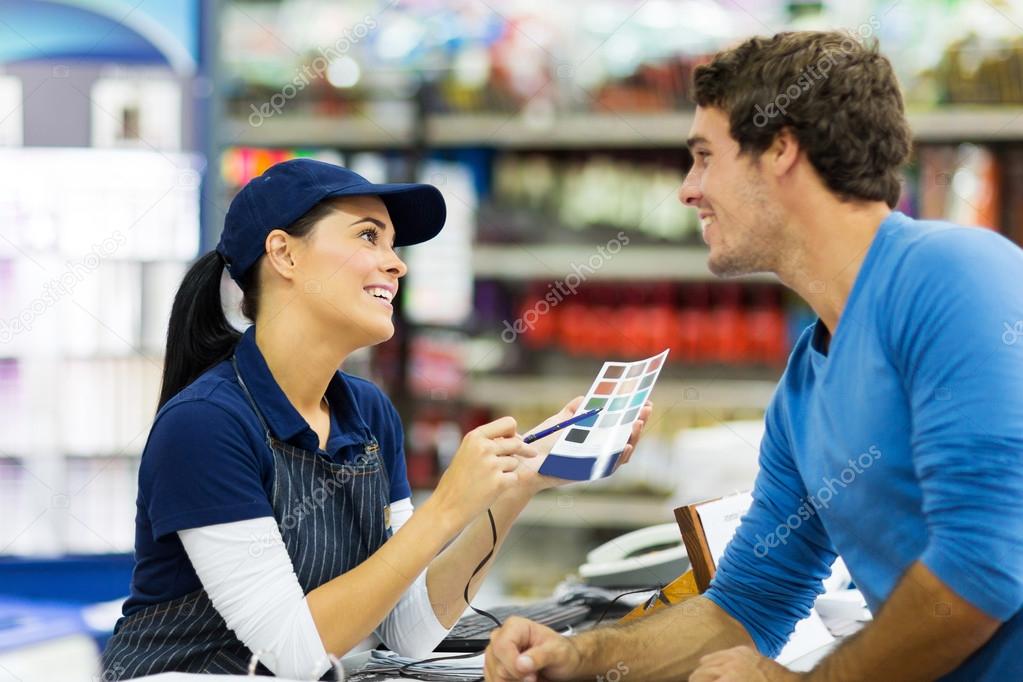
{"type": "Point", "coordinates": [837, 95]}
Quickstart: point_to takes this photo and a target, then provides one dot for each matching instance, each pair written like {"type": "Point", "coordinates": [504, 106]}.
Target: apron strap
{"type": "Point", "coordinates": [248, 396]}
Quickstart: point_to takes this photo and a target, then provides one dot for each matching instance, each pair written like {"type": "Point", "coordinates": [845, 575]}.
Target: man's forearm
{"type": "Point", "coordinates": [924, 631]}
{"type": "Point", "coordinates": [665, 645]}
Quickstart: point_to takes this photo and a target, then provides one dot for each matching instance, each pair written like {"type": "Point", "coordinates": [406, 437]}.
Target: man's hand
{"type": "Point", "coordinates": [741, 664]}
{"type": "Point", "coordinates": [520, 649]}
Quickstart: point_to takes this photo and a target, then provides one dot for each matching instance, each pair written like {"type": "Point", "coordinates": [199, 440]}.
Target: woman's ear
{"type": "Point", "coordinates": [279, 253]}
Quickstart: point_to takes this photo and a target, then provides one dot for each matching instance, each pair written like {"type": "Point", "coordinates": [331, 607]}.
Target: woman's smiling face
{"type": "Point", "coordinates": [347, 270]}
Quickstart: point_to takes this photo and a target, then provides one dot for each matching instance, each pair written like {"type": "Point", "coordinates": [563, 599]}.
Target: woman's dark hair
{"type": "Point", "coordinates": [199, 334]}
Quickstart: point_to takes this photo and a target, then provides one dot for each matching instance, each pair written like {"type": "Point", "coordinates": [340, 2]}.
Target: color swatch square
{"type": "Point", "coordinates": [647, 380]}
{"type": "Point", "coordinates": [594, 403]}
{"type": "Point", "coordinates": [618, 404]}
{"type": "Point", "coordinates": [589, 421]}
{"type": "Point", "coordinates": [635, 370]}
{"type": "Point", "coordinates": [655, 364]}
{"type": "Point", "coordinates": [629, 416]}
{"type": "Point", "coordinates": [577, 435]}
{"type": "Point", "coordinates": [639, 399]}
{"type": "Point", "coordinates": [628, 386]}
{"type": "Point", "coordinates": [614, 371]}
{"type": "Point", "coordinates": [608, 420]}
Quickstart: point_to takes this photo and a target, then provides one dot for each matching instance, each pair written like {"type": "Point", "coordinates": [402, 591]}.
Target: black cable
{"type": "Point", "coordinates": [403, 670]}
{"type": "Point", "coordinates": [657, 596]}
{"type": "Point", "coordinates": [493, 548]}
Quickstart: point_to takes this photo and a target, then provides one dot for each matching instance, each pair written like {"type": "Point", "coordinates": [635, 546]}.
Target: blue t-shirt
{"type": "Point", "coordinates": [207, 460]}
{"type": "Point", "coordinates": [901, 440]}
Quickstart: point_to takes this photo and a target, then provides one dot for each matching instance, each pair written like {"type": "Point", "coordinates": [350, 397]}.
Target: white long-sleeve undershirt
{"type": "Point", "coordinates": [248, 575]}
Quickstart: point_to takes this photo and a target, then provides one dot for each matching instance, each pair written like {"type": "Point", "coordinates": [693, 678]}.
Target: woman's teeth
{"type": "Point", "coordinates": [380, 293]}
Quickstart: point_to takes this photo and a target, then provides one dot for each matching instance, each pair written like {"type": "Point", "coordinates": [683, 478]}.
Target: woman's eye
{"type": "Point", "coordinates": [370, 234]}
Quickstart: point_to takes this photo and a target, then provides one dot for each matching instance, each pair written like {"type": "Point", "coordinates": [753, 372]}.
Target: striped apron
{"type": "Point", "coordinates": [331, 517]}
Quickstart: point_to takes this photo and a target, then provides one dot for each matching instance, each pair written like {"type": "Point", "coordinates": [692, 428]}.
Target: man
{"type": "Point", "coordinates": [895, 437]}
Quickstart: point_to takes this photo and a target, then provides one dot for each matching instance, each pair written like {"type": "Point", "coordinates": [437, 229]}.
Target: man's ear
{"type": "Point", "coordinates": [278, 253]}
{"type": "Point", "coordinates": [783, 153]}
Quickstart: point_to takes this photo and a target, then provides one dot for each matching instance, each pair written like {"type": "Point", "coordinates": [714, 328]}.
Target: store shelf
{"type": "Point", "coordinates": [968, 124]}
{"type": "Point", "coordinates": [598, 130]}
{"type": "Point", "coordinates": [586, 131]}
{"type": "Point", "coordinates": [566, 508]}
{"type": "Point", "coordinates": [536, 391]}
{"type": "Point", "coordinates": [554, 262]}
{"type": "Point", "coordinates": [360, 131]}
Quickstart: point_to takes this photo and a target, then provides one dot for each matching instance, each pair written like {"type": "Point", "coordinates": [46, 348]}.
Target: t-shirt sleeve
{"type": "Point", "coordinates": [201, 468]}
{"type": "Point", "coordinates": [383, 420]}
{"type": "Point", "coordinates": [957, 339]}
{"type": "Point", "coordinates": [772, 570]}
{"type": "Point", "coordinates": [398, 475]}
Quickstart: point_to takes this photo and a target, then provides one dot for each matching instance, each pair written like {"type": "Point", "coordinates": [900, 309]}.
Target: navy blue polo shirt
{"type": "Point", "coordinates": [207, 461]}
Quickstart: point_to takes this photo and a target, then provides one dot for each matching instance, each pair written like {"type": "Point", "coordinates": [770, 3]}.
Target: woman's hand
{"type": "Point", "coordinates": [483, 467]}
{"type": "Point", "coordinates": [529, 471]}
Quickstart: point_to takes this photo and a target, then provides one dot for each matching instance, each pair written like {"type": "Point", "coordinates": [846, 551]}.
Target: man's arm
{"type": "Point", "coordinates": [665, 645]}
{"type": "Point", "coordinates": [924, 631]}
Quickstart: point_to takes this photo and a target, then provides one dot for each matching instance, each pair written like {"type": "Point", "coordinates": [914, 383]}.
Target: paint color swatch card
{"type": "Point", "coordinates": [590, 449]}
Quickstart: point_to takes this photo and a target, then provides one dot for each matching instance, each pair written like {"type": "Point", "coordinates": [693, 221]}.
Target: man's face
{"type": "Point", "coordinates": [741, 222]}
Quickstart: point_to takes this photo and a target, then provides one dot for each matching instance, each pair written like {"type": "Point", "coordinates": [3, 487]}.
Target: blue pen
{"type": "Point", "coordinates": [557, 427]}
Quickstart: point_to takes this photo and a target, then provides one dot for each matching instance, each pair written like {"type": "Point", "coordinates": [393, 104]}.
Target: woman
{"type": "Point", "coordinates": [273, 511]}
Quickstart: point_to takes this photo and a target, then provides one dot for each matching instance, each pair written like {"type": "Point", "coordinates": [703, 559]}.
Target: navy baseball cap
{"type": "Point", "coordinates": [287, 190]}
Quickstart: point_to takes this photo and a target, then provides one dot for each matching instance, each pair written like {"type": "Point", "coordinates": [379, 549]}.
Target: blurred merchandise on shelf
{"type": "Point", "coordinates": [1013, 184]}
{"type": "Point", "coordinates": [438, 287]}
{"type": "Point", "coordinates": [960, 183]}
{"type": "Point", "coordinates": [437, 364]}
{"type": "Point", "coordinates": [968, 184]}
{"type": "Point", "coordinates": [702, 324]}
{"type": "Point", "coordinates": [368, 58]}
{"type": "Point", "coordinates": [978, 69]}
{"type": "Point", "coordinates": [238, 165]}
{"type": "Point", "coordinates": [578, 193]}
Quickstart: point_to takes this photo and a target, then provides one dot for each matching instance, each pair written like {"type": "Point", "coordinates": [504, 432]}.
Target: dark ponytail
{"type": "Point", "coordinates": [198, 334]}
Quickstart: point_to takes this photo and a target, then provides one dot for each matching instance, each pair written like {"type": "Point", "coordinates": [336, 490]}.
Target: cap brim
{"type": "Point", "coordinates": [417, 211]}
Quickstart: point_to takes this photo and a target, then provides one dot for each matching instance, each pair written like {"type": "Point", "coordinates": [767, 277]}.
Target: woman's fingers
{"type": "Point", "coordinates": [513, 445]}
{"type": "Point", "coordinates": [572, 405]}
{"type": "Point", "coordinates": [503, 427]}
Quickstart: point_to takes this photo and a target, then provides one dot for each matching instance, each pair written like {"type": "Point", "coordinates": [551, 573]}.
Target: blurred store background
{"type": "Point", "coordinates": [556, 132]}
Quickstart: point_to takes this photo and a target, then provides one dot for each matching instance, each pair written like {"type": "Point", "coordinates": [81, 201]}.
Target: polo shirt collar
{"type": "Point", "coordinates": [346, 424]}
